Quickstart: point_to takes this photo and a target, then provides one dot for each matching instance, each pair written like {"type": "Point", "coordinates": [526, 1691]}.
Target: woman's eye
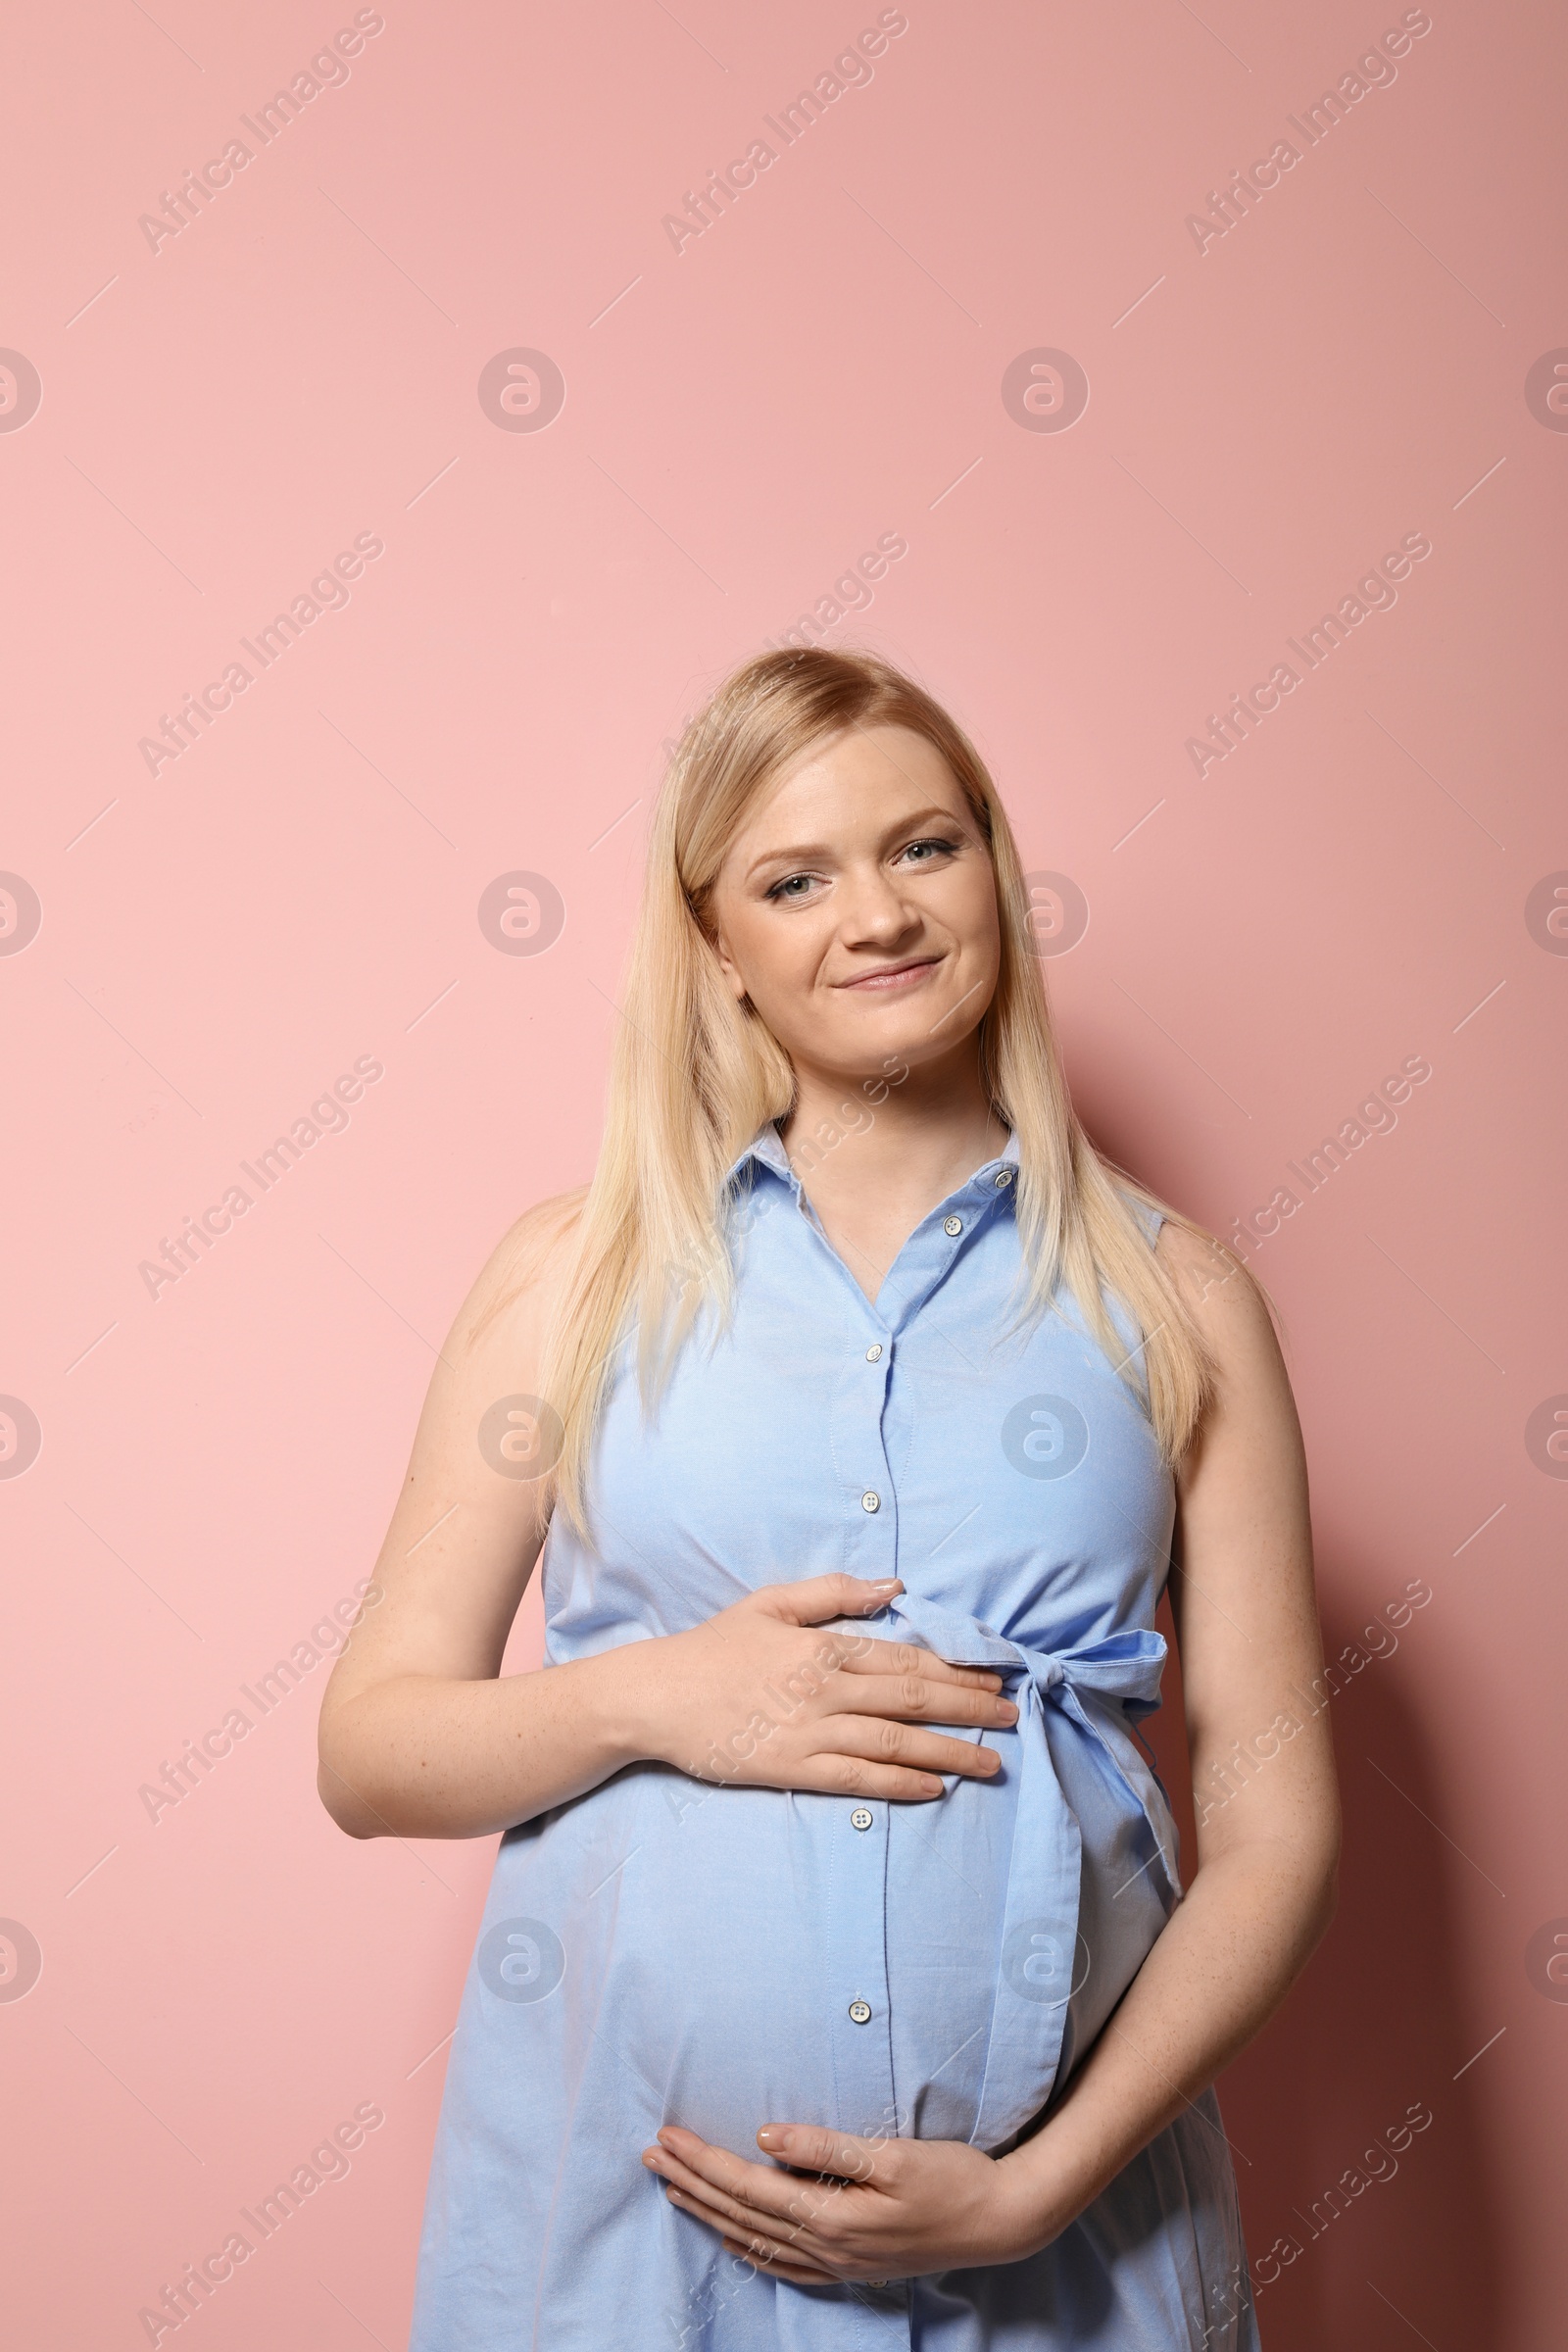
{"type": "Point", "coordinates": [795, 887]}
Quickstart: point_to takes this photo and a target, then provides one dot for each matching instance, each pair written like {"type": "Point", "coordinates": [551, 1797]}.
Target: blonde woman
{"type": "Point", "coordinates": [837, 1987]}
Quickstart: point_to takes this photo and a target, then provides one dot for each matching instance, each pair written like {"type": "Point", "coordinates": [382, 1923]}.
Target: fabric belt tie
{"type": "Point", "coordinates": [1043, 1958]}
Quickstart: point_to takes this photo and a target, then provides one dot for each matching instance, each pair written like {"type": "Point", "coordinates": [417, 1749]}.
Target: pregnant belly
{"type": "Point", "coordinates": [702, 1956]}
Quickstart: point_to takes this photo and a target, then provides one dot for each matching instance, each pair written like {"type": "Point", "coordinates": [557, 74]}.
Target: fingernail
{"type": "Point", "coordinates": [884, 1583]}
{"type": "Point", "coordinates": [771, 2136]}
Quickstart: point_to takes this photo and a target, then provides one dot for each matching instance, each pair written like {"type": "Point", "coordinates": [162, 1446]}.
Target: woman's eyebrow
{"type": "Point", "coordinates": [804, 853]}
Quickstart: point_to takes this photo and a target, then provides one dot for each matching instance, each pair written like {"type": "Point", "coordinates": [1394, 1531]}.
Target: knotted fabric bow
{"type": "Point", "coordinates": [1039, 1960]}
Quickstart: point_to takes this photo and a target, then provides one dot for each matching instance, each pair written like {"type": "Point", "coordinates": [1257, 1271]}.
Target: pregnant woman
{"type": "Point", "coordinates": [837, 1987]}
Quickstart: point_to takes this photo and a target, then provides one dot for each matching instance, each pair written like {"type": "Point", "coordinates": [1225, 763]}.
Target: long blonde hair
{"type": "Point", "coordinates": [695, 1074]}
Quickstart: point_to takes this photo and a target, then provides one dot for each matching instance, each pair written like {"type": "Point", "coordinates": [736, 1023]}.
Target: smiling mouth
{"type": "Point", "coordinates": [893, 975]}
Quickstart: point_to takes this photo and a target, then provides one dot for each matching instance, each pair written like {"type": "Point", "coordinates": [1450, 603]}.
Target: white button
{"type": "Point", "coordinates": [952, 1224]}
{"type": "Point", "coordinates": [870, 1501]}
{"type": "Point", "coordinates": [874, 1352]}
{"type": "Point", "coordinates": [1003, 1177]}
{"type": "Point", "coordinates": [861, 1818]}
{"type": "Point", "coordinates": [861, 2012]}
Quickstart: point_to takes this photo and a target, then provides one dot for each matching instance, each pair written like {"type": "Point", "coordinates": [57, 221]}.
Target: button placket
{"type": "Point", "coordinates": [928, 1256]}
{"type": "Point", "coordinates": [860, 1449]}
{"type": "Point", "coordinates": [856, 1987]}
{"type": "Point", "coordinates": [933, 1258]}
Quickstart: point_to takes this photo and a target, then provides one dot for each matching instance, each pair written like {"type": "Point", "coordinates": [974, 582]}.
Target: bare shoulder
{"type": "Point", "coordinates": [516, 1288]}
{"type": "Point", "coordinates": [1223, 1299]}
{"type": "Point", "coordinates": [1252, 1413]}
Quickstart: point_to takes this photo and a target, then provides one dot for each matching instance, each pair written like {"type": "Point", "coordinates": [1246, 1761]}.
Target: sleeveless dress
{"type": "Point", "coordinates": [667, 1950]}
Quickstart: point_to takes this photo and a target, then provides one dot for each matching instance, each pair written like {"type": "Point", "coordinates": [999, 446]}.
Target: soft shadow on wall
{"type": "Point", "coordinates": [1365, 2188]}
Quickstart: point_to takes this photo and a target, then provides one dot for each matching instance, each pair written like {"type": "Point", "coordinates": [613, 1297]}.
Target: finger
{"type": "Point", "coordinates": [917, 1699]}
{"type": "Point", "coordinates": [683, 2186]}
{"type": "Point", "coordinates": [775, 2243]}
{"type": "Point", "coordinates": [803, 2274]}
{"type": "Point", "coordinates": [873, 1739]}
{"type": "Point", "coordinates": [753, 2194]}
{"type": "Point", "coordinates": [765, 2236]}
{"type": "Point", "coordinates": [868, 1656]}
{"type": "Point", "coordinates": [852, 1776]}
{"type": "Point", "coordinates": [815, 1599]}
{"type": "Point", "coordinates": [814, 2148]}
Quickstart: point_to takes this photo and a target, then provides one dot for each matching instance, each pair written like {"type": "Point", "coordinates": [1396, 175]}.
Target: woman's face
{"type": "Point", "coordinates": [857, 906]}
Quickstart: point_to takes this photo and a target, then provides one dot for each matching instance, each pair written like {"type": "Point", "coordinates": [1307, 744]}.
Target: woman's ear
{"type": "Point", "coordinates": [737, 986]}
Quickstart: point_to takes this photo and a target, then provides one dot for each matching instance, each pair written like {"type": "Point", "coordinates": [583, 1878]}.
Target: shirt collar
{"type": "Point", "coordinates": [767, 1146]}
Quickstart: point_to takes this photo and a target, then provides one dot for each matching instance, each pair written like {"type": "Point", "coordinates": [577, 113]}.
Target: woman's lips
{"type": "Point", "coordinates": [902, 975]}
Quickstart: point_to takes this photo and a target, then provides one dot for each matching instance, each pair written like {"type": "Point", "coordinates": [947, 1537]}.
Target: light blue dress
{"type": "Point", "coordinates": [666, 1950]}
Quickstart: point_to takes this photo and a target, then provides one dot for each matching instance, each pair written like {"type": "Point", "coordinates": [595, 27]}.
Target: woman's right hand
{"type": "Point", "coordinates": [761, 1694]}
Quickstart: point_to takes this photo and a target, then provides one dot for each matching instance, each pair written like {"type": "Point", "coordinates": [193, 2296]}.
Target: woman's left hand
{"type": "Point", "coordinates": [887, 2208]}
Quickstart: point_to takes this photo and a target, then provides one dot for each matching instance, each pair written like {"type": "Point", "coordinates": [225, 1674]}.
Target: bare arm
{"type": "Point", "coordinates": [418, 1736]}
{"type": "Point", "coordinates": [422, 1737]}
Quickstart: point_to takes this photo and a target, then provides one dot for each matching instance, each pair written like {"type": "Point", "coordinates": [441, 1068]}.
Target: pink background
{"type": "Point", "coordinates": [221, 939]}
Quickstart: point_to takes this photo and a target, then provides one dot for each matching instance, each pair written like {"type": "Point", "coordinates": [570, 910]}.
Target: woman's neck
{"type": "Point", "coordinates": [889, 1145]}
